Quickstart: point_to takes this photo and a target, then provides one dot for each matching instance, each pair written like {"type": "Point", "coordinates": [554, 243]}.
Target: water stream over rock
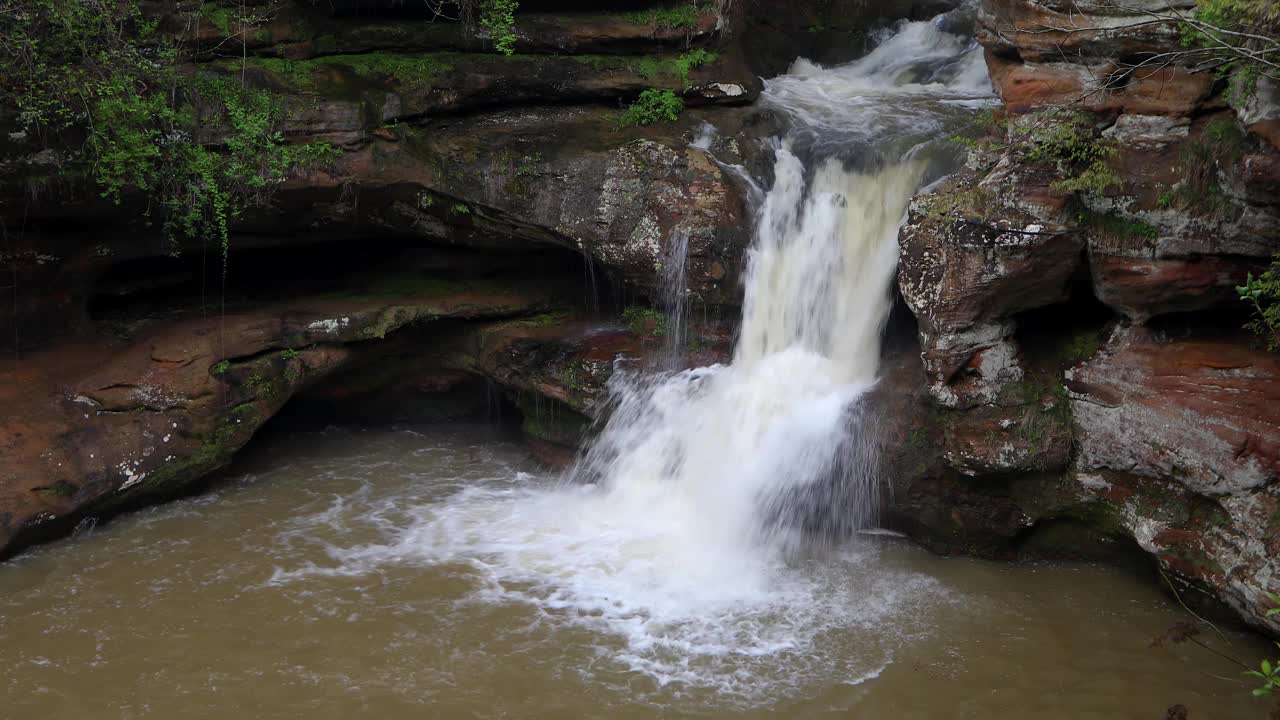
{"type": "Point", "coordinates": [701, 557]}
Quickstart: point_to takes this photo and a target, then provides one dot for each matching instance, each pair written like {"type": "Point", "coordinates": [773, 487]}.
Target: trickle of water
{"type": "Point", "coordinates": [674, 287]}
{"type": "Point", "coordinates": [706, 136]}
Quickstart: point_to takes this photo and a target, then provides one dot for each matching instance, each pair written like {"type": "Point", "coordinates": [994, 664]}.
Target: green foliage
{"type": "Point", "coordinates": [411, 73]}
{"type": "Point", "coordinates": [653, 106]}
{"type": "Point", "coordinates": [94, 77]}
{"type": "Point", "coordinates": [1219, 146]}
{"type": "Point", "coordinates": [1115, 226]}
{"type": "Point", "coordinates": [290, 354]}
{"type": "Point", "coordinates": [1262, 293]}
{"type": "Point", "coordinates": [1081, 347]}
{"type": "Point", "coordinates": [690, 60]}
{"type": "Point", "coordinates": [459, 209]}
{"type": "Point", "coordinates": [1237, 38]}
{"type": "Point", "coordinates": [520, 172]}
{"type": "Point", "coordinates": [982, 125]}
{"type": "Point", "coordinates": [569, 377]}
{"type": "Point", "coordinates": [676, 16]}
{"type": "Point", "coordinates": [645, 321]}
{"type": "Point", "coordinates": [550, 319]}
{"type": "Point", "coordinates": [220, 367]}
{"type": "Point", "coordinates": [1046, 409]}
{"type": "Point", "coordinates": [499, 18]}
{"type": "Point", "coordinates": [1070, 144]}
{"type": "Point", "coordinates": [1268, 671]}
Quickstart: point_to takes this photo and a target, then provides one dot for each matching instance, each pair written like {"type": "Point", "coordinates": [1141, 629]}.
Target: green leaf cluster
{"type": "Point", "coordinates": [499, 18]}
{"type": "Point", "coordinates": [693, 59]}
{"type": "Point", "coordinates": [677, 16]}
{"type": "Point", "coordinates": [1237, 38]}
{"type": "Point", "coordinates": [1262, 294]}
{"type": "Point", "coordinates": [94, 79]}
{"type": "Point", "coordinates": [1071, 145]}
{"type": "Point", "coordinates": [645, 321]}
{"type": "Point", "coordinates": [653, 106]}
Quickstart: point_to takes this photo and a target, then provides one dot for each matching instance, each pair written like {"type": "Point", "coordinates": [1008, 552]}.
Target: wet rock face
{"type": "Point", "coordinates": [484, 223]}
{"type": "Point", "coordinates": [1150, 428]}
{"type": "Point", "coordinates": [1203, 411]}
{"type": "Point", "coordinates": [108, 423]}
{"type": "Point", "coordinates": [443, 141]}
{"type": "Point", "coordinates": [968, 265]}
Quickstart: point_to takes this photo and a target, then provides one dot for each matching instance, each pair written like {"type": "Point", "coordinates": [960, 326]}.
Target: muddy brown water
{"type": "Point", "coordinates": [395, 574]}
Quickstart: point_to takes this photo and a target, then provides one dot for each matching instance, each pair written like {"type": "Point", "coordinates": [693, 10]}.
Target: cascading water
{"type": "Point", "coordinates": [685, 550]}
{"type": "Point", "coordinates": [674, 287]}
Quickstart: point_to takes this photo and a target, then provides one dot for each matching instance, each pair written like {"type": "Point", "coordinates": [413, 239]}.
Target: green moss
{"type": "Point", "coordinates": [1081, 346]}
{"type": "Point", "coordinates": [1046, 409]}
{"type": "Point", "coordinates": [603, 63]}
{"type": "Point", "coordinates": [520, 171]}
{"type": "Point", "coordinates": [1070, 144]}
{"type": "Point", "coordinates": [569, 376]}
{"type": "Point", "coordinates": [1217, 149]}
{"type": "Point", "coordinates": [551, 319]}
{"type": "Point", "coordinates": [649, 67]}
{"type": "Point", "coordinates": [958, 202]}
{"type": "Point", "coordinates": [262, 384]}
{"type": "Point", "coordinates": [654, 67]}
{"type": "Point", "coordinates": [219, 17]}
{"type": "Point", "coordinates": [684, 16]}
{"type": "Point", "coordinates": [550, 420]}
{"type": "Point", "coordinates": [645, 321]}
{"type": "Point", "coordinates": [412, 73]}
{"type": "Point", "coordinates": [60, 489]}
{"type": "Point", "coordinates": [1118, 227]}
{"type": "Point", "coordinates": [216, 449]}
{"type": "Point", "coordinates": [219, 367]}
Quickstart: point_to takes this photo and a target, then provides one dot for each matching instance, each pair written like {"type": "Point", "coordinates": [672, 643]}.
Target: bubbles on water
{"type": "Point", "coordinates": [658, 605]}
{"type": "Point", "coordinates": [682, 542]}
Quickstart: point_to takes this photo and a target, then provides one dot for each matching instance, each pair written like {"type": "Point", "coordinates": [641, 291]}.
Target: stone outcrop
{"type": "Point", "coordinates": [442, 141]}
{"type": "Point", "coordinates": [482, 225]}
{"type": "Point", "coordinates": [99, 424]}
{"type": "Point", "coordinates": [1145, 421]}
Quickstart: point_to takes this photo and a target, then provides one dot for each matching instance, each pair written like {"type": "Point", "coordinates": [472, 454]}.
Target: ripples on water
{"type": "Point", "coordinates": [372, 574]}
{"type": "Point", "coordinates": [395, 573]}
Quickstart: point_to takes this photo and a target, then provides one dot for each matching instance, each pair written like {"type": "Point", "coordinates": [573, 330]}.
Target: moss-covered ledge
{"type": "Point", "coordinates": [166, 408]}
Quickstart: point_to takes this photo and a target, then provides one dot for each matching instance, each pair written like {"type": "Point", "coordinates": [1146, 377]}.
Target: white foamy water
{"type": "Point", "coordinates": [685, 537]}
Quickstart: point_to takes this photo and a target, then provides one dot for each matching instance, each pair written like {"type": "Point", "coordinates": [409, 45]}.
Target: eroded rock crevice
{"type": "Point", "coordinates": [1088, 380]}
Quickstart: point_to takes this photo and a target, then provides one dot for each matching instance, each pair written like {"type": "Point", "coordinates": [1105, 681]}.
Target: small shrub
{"type": "Point", "coordinates": [690, 60]}
{"type": "Point", "coordinates": [1262, 293]}
{"type": "Point", "coordinates": [1118, 227]}
{"type": "Point", "coordinates": [653, 106]}
{"type": "Point", "coordinates": [499, 18]}
{"type": "Point", "coordinates": [680, 16]}
{"type": "Point", "coordinates": [1070, 144]}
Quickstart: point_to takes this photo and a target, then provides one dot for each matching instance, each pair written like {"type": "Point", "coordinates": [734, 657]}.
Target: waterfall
{"type": "Point", "coordinates": [674, 288]}
{"type": "Point", "coordinates": [683, 534]}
